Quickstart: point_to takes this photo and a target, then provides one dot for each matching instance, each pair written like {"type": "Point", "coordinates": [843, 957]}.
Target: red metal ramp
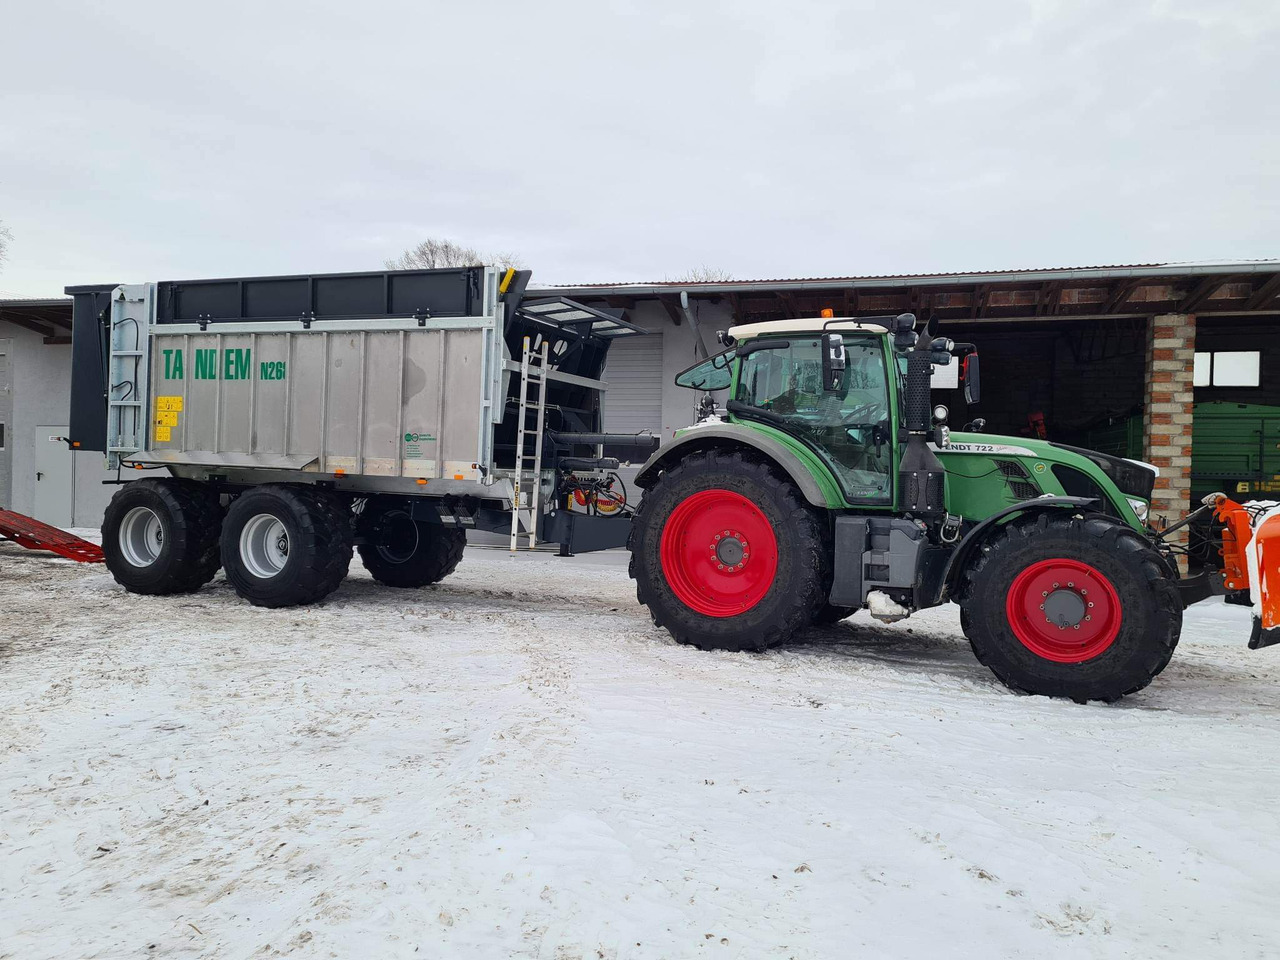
{"type": "Point", "coordinates": [35, 535]}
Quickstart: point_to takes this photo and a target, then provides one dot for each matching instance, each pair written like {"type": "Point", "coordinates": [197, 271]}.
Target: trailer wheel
{"type": "Point", "coordinates": [284, 545]}
{"type": "Point", "coordinates": [402, 552]}
{"type": "Point", "coordinates": [725, 554]}
{"type": "Point", "coordinates": [160, 536]}
{"type": "Point", "coordinates": [1078, 607]}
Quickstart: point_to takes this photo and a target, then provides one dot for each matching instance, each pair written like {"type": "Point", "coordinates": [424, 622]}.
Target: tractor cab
{"type": "Point", "coordinates": [831, 390]}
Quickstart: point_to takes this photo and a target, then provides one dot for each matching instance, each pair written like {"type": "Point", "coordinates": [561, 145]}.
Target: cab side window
{"type": "Point", "coordinates": [714, 373]}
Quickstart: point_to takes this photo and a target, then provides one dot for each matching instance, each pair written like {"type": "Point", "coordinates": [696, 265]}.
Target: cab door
{"type": "Point", "coordinates": [780, 381]}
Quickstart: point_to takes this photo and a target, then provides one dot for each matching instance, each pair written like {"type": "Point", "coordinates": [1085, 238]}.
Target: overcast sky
{"type": "Point", "coordinates": [619, 141]}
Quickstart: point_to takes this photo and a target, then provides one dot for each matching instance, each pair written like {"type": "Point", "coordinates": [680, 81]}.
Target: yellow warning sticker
{"type": "Point", "coordinates": [167, 418]}
{"type": "Point", "coordinates": [169, 403]}
{"type": "Point", "coordinates": [163, 434]}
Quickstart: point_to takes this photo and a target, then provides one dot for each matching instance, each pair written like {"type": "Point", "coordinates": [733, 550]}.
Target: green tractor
{"type": "Point", "coordinates": [831, 484]}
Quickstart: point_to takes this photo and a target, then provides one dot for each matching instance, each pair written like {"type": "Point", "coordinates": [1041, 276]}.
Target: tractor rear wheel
{"type": "Point", "coordinates": [160, 536]}
{"type": "Point", "coordinates": [286, 544]}
{"type": "Point", "coordinates": [1071, 606]}
{"type": "Point", "coordinates": [725, 553]}
{"type": "Point", "coordinates": [402, 552]}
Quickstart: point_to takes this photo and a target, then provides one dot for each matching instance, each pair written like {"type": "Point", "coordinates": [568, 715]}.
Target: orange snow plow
{"type": "Point", "coordinates": [1251, 561]}
{"type": "Point", "coordinates": [34, 535]}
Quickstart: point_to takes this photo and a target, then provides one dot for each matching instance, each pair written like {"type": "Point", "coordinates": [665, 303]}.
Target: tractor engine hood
{"type": "Point", "coordinates": [1125, 484]}
{"type": "Point", "coordinates": [1131, 477]}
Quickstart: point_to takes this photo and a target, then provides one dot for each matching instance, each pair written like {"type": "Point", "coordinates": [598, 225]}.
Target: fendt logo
{"type": "Point", "coordinates": [236, 364]}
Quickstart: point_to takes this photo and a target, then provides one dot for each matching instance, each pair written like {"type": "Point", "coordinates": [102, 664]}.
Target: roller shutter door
{"type": "Point", "coordinates": [633, 402]}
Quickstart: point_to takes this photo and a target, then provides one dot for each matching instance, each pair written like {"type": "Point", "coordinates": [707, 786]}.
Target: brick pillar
{"type": "Point", "coordinates": [1166, 435]}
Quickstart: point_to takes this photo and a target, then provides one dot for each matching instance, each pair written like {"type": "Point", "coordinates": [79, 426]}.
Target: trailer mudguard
{"type": "Point", "coordinates": [731, 434]}
{"type": "Point", "coordinates": [972, 540]}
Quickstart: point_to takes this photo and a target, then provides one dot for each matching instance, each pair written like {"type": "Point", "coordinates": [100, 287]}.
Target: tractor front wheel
{"type": "Point", "coordinates": [725, 553]}
{"type": "Point", "coordinates": [1072, 606]}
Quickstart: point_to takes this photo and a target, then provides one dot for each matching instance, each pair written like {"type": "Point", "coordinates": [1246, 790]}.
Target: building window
{"type": "Point", "coordinates": [1228, 368]}
{"type": "Point", "coordinates": [1, 434]}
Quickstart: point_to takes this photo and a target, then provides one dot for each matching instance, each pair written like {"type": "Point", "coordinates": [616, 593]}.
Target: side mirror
{"type": "Point", "coordinates": [972, 382]}
{"type": "Point", "coordinates": [833, 363]}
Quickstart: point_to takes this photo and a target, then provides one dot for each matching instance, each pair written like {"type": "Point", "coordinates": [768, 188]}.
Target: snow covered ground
{"type": "Point", "coordinates": [518, 764]}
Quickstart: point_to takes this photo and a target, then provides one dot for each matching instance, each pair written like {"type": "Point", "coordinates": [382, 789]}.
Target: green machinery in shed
{"type": "Point", "coordinates": [1235, 447]}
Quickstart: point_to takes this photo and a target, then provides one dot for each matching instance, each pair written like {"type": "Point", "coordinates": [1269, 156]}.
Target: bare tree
{"type": "Point", "coordinates": [5, 239]}
{"type": "Point", "coordinates": [433, 254]}
{"type": "Point", "coordinates": [703, 274]}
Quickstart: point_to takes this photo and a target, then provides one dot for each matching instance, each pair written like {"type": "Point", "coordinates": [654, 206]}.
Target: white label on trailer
{"type": "Point", "coordinates": [984, 448]}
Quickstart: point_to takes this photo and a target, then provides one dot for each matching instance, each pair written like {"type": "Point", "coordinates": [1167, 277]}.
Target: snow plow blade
{"type": "Point", "coordinates": [34, 535]}
{"type": "Point", "coordinates": [1251, 562]}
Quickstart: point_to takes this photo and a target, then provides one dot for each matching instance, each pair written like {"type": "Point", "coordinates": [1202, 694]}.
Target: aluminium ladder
{"type": "Point", "coordinates": [131, 316]}
{"type": "Point", "coordinates": [529, 467]}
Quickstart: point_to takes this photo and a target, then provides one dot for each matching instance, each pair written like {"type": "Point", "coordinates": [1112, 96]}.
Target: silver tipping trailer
{"type": "Point", "coordinates": [302, 416]}
{"type": "Point", "coordinates": [382, 402]}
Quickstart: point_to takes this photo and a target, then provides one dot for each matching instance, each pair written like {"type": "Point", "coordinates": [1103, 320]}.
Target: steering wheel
{"type": "Point", "coordinates": [865, 414]}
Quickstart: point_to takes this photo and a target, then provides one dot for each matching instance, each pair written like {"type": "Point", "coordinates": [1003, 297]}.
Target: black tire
{"type": "Point", "coordinates": [1149, 608]}
{"type": "Point", "coordinates": [317, 545]}
{"type": "Point", "coordinates": [828, 615]}
{"type": "Point", "coordinates": [402, 552]}
{"type": "Point", "coordinates": [796, 591]}
{"type": "Point", "coordinates": [160, 536]}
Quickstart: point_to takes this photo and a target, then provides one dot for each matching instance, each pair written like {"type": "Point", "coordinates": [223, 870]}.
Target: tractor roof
{"type": "Point", "coordinates": [814, 325]}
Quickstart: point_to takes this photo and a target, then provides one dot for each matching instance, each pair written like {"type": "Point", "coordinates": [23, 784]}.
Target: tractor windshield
{"type": "Point", "coordinates": [849, 428]}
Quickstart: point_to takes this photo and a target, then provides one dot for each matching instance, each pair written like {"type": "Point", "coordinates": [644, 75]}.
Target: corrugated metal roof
{"type": "Point", "coordinates": [34, 301]}
{"type": "Point", "coordinates": [1173, 269]}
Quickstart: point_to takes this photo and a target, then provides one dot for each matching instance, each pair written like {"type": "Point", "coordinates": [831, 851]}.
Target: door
{"type": "Point", "coordinates": [780, 383]}
{"type": "Point", "coordinates": [55, 481]}
{"type": "Point", "coordinates": [633, 370]}
{"type": "Point", "coordinates": [6, 427]}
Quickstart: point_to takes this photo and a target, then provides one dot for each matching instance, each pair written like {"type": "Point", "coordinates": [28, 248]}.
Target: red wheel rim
{"type": "Point", "coordinates": [1063, 610]}
{"type": "Point", "coordinates": [718, 553]}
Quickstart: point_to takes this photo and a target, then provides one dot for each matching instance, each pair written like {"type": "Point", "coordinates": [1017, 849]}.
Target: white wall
{"type": "Point", "coordinates": [41, 376]}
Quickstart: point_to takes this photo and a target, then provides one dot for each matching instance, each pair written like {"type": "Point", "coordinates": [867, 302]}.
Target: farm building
{"type": "Point", "coordinates": [1175, 364]}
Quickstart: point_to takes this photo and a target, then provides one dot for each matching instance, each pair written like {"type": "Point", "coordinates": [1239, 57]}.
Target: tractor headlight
{"type": "Point", "coordinates": [1140, 507]}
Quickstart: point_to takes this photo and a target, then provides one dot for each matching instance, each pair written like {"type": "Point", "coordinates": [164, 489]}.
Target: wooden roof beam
{"type": "Point", "coordinates": [1122, 292]}
{"type": "Point", "coordinates": [978, 300]}
{"type": "Point", "coordinates": [1203, 290]}
{"type": "Point", "coordinates": [1047, 298]}
{"type": "Point", "coordinates": [672, 306]}
{"type": "Point", "coordinates": [28, 324]}
{"type": "Point", "coordinates": [1265, 294]}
